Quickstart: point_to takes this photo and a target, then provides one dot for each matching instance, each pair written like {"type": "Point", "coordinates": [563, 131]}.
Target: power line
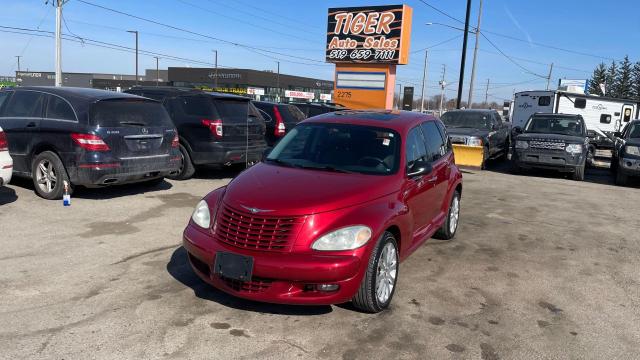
{"type": "Point", "coordinates": [436, 44]}
{"type": "Point", "coordinates": [510, 58]}
{"type": "Point", "coordinates": [202, 35]}
{"type": "Point", "coordinates": [441, 12]}
{"type": "Point", "coordinates": [280, 16]}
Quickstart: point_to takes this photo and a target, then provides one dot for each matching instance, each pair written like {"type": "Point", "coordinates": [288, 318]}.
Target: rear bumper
{"type": "Point", "coordinates": [132, 170]}
{"type": "Point", "coordinates": [220, 153]}
{"type": "Point", "coordinates": [285, 278]}
{"type": "Point", "coordinates": [559, 161]}
{"type": "Point", "coordinates": [629, 166]}
{"type": "Point", "coordinates": [6, 168]}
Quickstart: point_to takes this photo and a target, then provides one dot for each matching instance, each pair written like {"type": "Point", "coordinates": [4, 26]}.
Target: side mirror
{"type": "Point", "coordinates": [617, 134]}
{"type": "Point", "coordinates": [266, 153]}
{"type": "Point", "coordinates": [517, 130]}
{"type": "Point", "coordinates": [419, 167]}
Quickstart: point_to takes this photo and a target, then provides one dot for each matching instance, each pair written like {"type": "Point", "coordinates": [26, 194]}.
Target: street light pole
{"type": "Point", "coordinates": [475, 57]}
{"type": "Point", "coordinates": [424, 79]}
{"type": "Point", "coordinates": [215, 72]}
{"type": "Point", "coordinates": [58, 4]}
{"type": "Point", "coordinates": [136, 33]}
{"type": "Point", "coordinates": [464, 54]}
{"type": "Point", "coordinates": [18, 56]}
{"type": "Point", "coordinates": [278, 82]}
{"type": "Point", "coordinates": [157, 71]}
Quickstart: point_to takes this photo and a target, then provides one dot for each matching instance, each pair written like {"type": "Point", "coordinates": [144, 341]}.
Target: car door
{"type": "Point", "coordinates": [417, 190]}
{"type": "Point", "coordinates": [21, 119]}
{"type": "Point", "coordinates": [440, 156]}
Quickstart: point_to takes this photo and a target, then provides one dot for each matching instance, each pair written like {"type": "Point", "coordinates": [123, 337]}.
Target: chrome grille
{"type": "Point", "coordinates": [251, 231]}
{"type": "Point", "coordinates": [547, 145]}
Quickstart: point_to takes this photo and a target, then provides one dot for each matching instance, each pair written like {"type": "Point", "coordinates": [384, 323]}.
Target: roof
{"type": "Point", "coordinates": [558, 115]}
{"type": "Point", "coordinates": [185, 90]}
{"type": "Point", "coordinates": [79, 93]}
{"type": "Point", "coordinates": [401, 121]}
{"type": "Point", "coordinates": [483, 111]}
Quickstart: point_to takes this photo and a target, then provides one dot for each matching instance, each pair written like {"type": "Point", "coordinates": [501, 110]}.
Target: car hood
{"type": "Point", "coordinates": [551, 137]}
{"type": "Point", "coordinates": [467, 132]}
{"type": "Point", "coordinates": [284, 191]}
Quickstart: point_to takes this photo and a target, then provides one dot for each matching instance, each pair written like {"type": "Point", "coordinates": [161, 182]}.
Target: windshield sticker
{"type": "Point", "coordinates": [386, 142]}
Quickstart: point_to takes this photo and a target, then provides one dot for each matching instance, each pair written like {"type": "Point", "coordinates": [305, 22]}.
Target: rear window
{"type": "Point", "coordinates": [233, 110]}
{"type": "Point", "coordinates": [125, 112]}
{"type": "Point", "coordinates": [198, 106]}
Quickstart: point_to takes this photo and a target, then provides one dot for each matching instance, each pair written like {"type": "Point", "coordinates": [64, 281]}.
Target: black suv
{"type": "Point", "coordinates": [215, 129]}
{"type": "Point", "coordinates": [480, 127]}
{"type": "Point", "coordinates": [552, 141]}
{"type": "Point", "coordinates": [313, 109]}
{"type": "Point", "coordinates": [626, 154]}
{"type": "Point", "coordinates": [86, 137]}
{"type": "Point", "coordinates": [279, 118]}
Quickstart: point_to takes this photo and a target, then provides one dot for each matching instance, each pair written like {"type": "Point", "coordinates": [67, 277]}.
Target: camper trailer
{"type": "Point", "coordinates": [603, 116]}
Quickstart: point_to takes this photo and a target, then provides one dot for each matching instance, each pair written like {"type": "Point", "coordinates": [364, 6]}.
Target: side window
{"type": "Point", "coordinates": [57, 108]}
{"type": "Point", "coordinates": [25, 104]}
{"type": "Point", "coordinates": [445, 136]}
{"type": "Point", "coordinates": [580, 103]}
{"type": "Point", "coordinates": [605, 119]}
{"type": "Point", "coordinates": [267, 117]}
{"type": "Point", "coordinates": [436, 147]}
{"type": "Point", "coordinates": [197, 105]}
{"type": "Point", "coordinates": [415, 147]}
{"type": "Point", "coordinates": [4, 95]}
{"type": "Point", "coordinates": [544, 101]}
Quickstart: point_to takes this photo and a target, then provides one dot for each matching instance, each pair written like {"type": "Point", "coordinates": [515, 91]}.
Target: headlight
{"type": "Point", "coordinates": [201, 215]}
{"type": "Point", "coordinates": [574, 148]}
{"type": "Point", "coordinates": [474, 141]}
{"type": "Point", "coordinates": [521, 144]}
{"type": "Point", "coordinates": [632, 150]}
{"type": "Point", "coordinates": [348, 238]}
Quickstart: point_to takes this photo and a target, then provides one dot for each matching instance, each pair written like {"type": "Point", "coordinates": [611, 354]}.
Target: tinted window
{"type": "Point", "coordinates": [4, 95]}
{"type": "Point", "coordinates": [467, 119]}
{"type": "Point", "coordinates": [634, 131]}
{"type": "Point", "coordinates": [544, 101]}
{"type": "Point", "coordinates": [339, 147]}
{"type": "Point", "coordinates": [435, 143]}
{"type": "Point", "coordinates": [58, 108]}
{"type": "Point", "coordinates": [125, 112]}
{"type": "Point", "coordinates": [295, 113]}
{"type": "Point", "coordinates": [25, 104]}
{"type": "Point", "coordinates": [267, 108]}
{"type": "Point", "coordinates": [198, 106]}
{"type": "Point", "coordinates": [416, 149]}
{"type": "Point", "coordinates": [267, 117]}
{"type": "Point", "coordinates": [555, 125]}
{"type": "Point", "coordinates": [233, 110]}
{"type": "Point", "coordinates": [445, 137]}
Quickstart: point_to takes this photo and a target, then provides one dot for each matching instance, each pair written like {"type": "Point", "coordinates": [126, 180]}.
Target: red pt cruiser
{"type": "Point", "coordinates": [327, 216]}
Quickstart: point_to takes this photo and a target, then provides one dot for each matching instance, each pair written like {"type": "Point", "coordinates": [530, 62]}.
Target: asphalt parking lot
{"type": "Point", "coordinates": [542, 267]}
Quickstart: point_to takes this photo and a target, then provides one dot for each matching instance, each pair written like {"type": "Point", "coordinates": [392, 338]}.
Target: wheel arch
{"type": "Point", "coordinates": [39, 149]}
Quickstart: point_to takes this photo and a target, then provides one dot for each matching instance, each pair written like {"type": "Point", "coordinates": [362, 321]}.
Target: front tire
{"type": "Point", "coordinates": [48, 174]}
{"type": "Point", "coordinates": [578, 175]}
{"type": "Point", "coordinates": [379, 283]}
{"type": "Point", "coordinates": [187, 169]}
{"type": "Point", "coordinates": [450, 226]}
{"type": "Point", "coordinates": [485, 158]}
{"type": "Point", "coordinates": [621, 179]}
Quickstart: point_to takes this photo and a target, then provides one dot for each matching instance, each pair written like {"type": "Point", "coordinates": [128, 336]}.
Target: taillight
{"type": "Point", "coordinates": [4, 144]}
{"type": "Point", "coordinates": [280, 129]}
{"type": "Point", "coordinates": [176, 141]}
{"type": "Point", "coordinates": [90, 142]}
{"type": "Point", "coordinates": [215, 126]}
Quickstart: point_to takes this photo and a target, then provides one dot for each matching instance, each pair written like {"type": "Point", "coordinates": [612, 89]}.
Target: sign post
{"type": "Point", "coordinates": [366, 44]}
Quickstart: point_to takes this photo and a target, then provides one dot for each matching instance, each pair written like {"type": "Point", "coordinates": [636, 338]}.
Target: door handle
{"type": "Point", "coordinates": [432, 180]}
{"type": "Point", "coordinates": [31, 124]}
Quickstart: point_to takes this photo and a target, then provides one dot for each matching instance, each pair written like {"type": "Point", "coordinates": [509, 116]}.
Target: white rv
{"type": "Point", "coordinates": [603, 116]}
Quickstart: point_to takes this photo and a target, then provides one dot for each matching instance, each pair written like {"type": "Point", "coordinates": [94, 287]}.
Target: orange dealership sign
{"type": "Point", "coordinates": [372, 34]}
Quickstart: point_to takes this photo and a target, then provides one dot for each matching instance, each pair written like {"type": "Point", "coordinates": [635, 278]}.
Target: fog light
{"type": "Point", "coordinates": [328, 287]}
{"type": "Point", "coordinates": [629, 164]}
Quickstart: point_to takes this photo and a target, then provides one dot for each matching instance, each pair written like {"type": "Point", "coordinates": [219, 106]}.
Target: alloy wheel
{"type": "Point", "coordinates": [387, 272]}
{"type": "Point", "coordinates": [454, 214]}
{"type": "Point", "coordinates": [46, 176]}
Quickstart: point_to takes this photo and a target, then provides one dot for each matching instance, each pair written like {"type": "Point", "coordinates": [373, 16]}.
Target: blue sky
{"type": "Point", "coordinates": [297, 28]}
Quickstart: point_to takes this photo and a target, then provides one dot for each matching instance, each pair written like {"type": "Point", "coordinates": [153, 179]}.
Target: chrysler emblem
{"type": "Point", "coordinates": [255, 210]}
{"type": "Point", "coordinates": [144, 131]}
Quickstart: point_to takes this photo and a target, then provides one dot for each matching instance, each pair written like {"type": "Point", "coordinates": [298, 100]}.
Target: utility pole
{"type": "Point", "coordinates": [464, 54]}
{"type": "Point", "coordinates": [215, 72]}
{"type": "Point", "coordinates": [424, 79]}
{"type": "Point", "coordinates": [136, 34]}
{"type": "Point", "coordinates": [18, 56]}
{"type": "Point", "coordinates": [486, 94]}
{"type": "Point", "coordinates": [443, 84]}
{"type": "Point", "coordinates": [157, 71]}
{"type": "Point", "coordinates": [58, 4]}
{"type": "Point", "coordinates": [475, 58]}
{"type": "Point", "coordinates": [278, 82]}
{"type": "Point", "coordinates": [549, 77]}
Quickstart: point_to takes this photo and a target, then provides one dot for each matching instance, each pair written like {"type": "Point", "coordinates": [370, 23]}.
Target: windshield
{"type": "Point", "coordinates": [339, 148]}
{"type": "Point", "coordinates": [634, 132]}
{"type": "Point", "coordinates": [555, 125]}
{"type": "Point", "coordinates": [466, 119]}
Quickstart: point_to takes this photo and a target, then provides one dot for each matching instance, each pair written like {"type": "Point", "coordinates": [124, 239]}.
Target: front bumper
{"type": "Point", "coordinates": [279, 277]}
{"type": "Point", "coordinates": [629, 166]}
{"type": "Point", "coordinates": [559, 161]}
{"type": "Point", "coordinates": [221, 153]}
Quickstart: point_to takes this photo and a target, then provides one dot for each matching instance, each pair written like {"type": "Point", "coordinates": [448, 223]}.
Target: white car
{"type": "Point", "coordinates": [6, 163]}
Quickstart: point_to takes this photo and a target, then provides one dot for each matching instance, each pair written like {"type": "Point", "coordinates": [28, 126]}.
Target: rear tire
{"type": "Point", "coordinates": [382, 270]}
{"type": "Point", "coordinates": [485, 158]}
{"type": "Point", "coordinates": [450, 226]}
{"type": "Point", "coordinates": [578, 175]}
{"type": "Point", "coordinates": [48, 175]}
{"type": "Point", "coordinates": [621, 179]}
{"type": "Point", "coordinates": [187, 169]}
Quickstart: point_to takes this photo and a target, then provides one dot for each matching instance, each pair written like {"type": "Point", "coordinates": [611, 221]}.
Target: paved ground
{"type": "Point", "coordinates": [542, 267]}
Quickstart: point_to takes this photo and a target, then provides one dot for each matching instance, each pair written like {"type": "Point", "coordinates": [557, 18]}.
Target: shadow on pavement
{"type": "Point", "coordinates": [179, 268]}
{"type": "Point", "coordinates": [7, 195]}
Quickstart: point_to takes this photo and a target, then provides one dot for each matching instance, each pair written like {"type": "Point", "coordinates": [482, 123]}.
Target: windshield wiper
{"type": "Point", "coordinates": [283, 163]}
{"type": "Point", "coordinates": [330, 168]}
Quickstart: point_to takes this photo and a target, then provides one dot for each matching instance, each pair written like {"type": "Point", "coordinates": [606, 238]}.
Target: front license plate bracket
{"type": "Point", "coordinates": [233, 266]}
